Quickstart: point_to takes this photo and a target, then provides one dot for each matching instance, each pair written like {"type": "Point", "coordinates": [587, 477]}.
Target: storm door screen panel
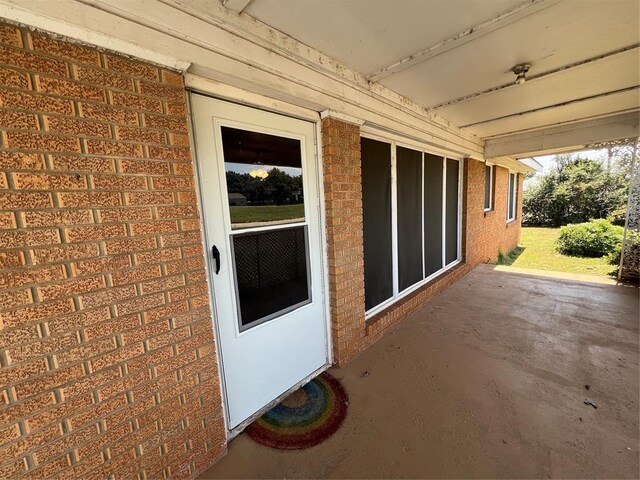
{"type": "Point", "coordinates": [409, 195]}
{"type": "Point", "coordinates": [451, 220]}
{"type": "Point", "coordinates": [376, 202]}
{"type": "Point", "coordinates": [271, 272]}
{"type": "Point", "coordinates": [433, 171]}
{"type": "Point", "coordinates": [264, 191]}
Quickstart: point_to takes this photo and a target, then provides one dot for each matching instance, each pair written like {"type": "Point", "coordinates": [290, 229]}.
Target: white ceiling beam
{"type": "Point", "coordinates": [538, 76]}
{"type": "Point", "coordinates": [460, 38]}
{"type": "Point", "coordinates": [571, 136]}
{"type": "Point", "coordinates": [236, 5]}
{"type": "Point", "coordinates": [553, 106]}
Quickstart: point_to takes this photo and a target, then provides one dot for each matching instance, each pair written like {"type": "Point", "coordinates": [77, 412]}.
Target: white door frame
{"type": "Point", "coordinates": [239, 96]}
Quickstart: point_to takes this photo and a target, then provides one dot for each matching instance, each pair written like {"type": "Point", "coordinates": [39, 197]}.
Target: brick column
{"type": "Point", "coordinates": [343, 203]}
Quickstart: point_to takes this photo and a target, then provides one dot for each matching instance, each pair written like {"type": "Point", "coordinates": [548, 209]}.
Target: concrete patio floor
{"type": "Point", "coordinates": [486, 380]}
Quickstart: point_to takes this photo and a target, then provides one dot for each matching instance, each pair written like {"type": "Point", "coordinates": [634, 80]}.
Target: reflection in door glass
{"type": "Point", "coordinates": [264, 178]}
{"type": "Point", "coordinates": [271, 273]}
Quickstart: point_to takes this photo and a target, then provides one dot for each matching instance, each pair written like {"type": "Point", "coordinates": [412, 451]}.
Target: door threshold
{"type": "Point", "coordinates": [234, 432]}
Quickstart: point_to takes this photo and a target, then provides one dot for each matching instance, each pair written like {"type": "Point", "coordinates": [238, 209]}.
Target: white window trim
{"type": "Point", "coordinates": [395, 142]}
{"type": "Point", "coordinates": [512, 195]}
{"type": "Point", "coordinates": [492, 169]}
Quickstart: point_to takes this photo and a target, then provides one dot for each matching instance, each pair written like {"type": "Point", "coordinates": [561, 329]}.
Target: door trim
{"type": "Point", "coordinates": [209, 268]}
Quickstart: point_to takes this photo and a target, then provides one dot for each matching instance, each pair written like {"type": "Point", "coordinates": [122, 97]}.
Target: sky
{"type": "Point", "coordinates": [547, 162]}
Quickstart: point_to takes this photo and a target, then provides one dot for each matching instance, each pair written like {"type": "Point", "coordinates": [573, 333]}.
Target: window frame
{"type": "Point", "coordinates": [398, 141]}
{"type": "Point", "coordinates": [492, 173]}
{"type": "Point", "coordinates": [512, 195]}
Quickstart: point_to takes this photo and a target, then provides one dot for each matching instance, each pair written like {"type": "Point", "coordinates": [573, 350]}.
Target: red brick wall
{"type": "Point", "coordinates": [488, 232]}
{"type": "Point", "coordinates": [106, 346]}
{"type": "Point", "coordinates": [483, 236]}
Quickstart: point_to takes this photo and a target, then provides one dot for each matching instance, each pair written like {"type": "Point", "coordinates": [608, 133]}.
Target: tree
{"type": "Point", "coordinates": [277, 188]}
{"type": "Point", "coordinates": [576, 190]}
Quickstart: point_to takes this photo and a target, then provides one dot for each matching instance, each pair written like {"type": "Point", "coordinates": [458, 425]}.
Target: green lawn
{"type": "Point", "coordinates": [266, 213]}
{"type": "Point", "coordinates": [537, 250]}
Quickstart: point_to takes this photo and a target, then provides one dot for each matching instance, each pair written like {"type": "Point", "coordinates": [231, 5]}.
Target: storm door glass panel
{"type": "Point", "coordinates": [264, 178]}
{"type": "Point", "coordinates": [266, 197]}
{"type": "Point", "coordinates": [432, 213]}
{"type": "Point", "coordinates": [409, 197]}
{"type": "Point", "coordinates": [451, 220]}
{"type": "Point", "coordinates": [376, 204]}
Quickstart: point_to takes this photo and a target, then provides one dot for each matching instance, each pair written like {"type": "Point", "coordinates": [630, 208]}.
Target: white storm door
{"type": "Point", "coordinates": [259, 186]}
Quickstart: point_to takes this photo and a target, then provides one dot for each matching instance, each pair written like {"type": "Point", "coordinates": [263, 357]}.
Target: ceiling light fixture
{"type": "Point", "coordinates": [520, 72]}
{"type": "Point", "coordinates": [260, 173]}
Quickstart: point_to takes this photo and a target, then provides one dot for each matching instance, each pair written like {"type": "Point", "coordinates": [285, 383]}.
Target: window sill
{"type": "Point", "coordinates": [489, 213]}
{"type": "Point", "coordinates": [383, 307]}
{"type": "Point", "coordinates": [400, 300]}
{"type": "Point", "coordinates": [510, 223]}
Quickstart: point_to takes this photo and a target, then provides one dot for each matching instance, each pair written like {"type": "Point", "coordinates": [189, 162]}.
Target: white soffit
{"type": "Point", "coordinates": [551, 38]}
{"type": "Point", "coordinates": [240, 51]}
{"type": "Point", "coordinates": [454, 57]}
{"type": "Point", "coordinates": [367, 35]}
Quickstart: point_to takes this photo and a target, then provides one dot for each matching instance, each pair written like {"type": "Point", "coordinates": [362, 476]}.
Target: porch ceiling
{"type": "Point", "coordinates": [455, 57]}
{"type": "Point", "coordinates": [433, 70]}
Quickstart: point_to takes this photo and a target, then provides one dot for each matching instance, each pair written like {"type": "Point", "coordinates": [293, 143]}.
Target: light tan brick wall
{"type": "Point", "coordinates": [343, 204]}
{"type": "Point", "coordinates": [107, 355]}
{"type": "Point", "coordinates": [483, 236]}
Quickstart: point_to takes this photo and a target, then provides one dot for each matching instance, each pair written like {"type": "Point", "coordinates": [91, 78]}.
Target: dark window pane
{"type": "Point", "coordinates": [513, 187]}
{"type": "Point", "coordinates": [409, 184]}
{"type": "Point", "coordinates": [510, 199]}
{"type": "Point", "coordinates": [451, 251]}
{"type": "Point", "coordinates": [376, 204]}
{"type": "Point", "coordinates": [487, 187]}
{"type": "Point", "coordinates": [432, 213]}
{"type": "Point", "coordinates": [264, 178]}
{"type": "Point", "coordinates": [515, 195]}
{"type": "Point", "coordinates": [271, 272]}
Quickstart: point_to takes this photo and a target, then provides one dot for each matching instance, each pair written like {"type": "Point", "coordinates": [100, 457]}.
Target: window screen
{"type": "Point", "coordinates": [451, 223]}
{"type": "Point", "coordinates": [432, 213]}
{"type": "Point", "coordinates": [411, 218]}
{"type": "Point", "coordinates": [376, 202]}
{"type": "Point", "coordinates": [409, 195]}
{"type": "Point", "coordinates": [488, 186]}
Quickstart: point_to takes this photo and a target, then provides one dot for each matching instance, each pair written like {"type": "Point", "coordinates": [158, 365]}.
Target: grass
{"type": "Point", "coordinates": [537, 250]}
{"type": "Point", "coordinates": [266, 213]}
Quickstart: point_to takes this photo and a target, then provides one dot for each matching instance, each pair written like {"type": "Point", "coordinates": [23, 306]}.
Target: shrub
{"type": "Point", "coordinates": [618, 216]}
{"type": "Point", "coordinates": [574, 190]}
{"type": "Point", "coordinates": [633, 243]}
{"type": "Point", "coordinates": [591, 239]}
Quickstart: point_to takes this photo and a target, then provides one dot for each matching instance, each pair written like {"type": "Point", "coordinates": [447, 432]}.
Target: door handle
{"type": "Point", "coordinates": [216, 256]}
